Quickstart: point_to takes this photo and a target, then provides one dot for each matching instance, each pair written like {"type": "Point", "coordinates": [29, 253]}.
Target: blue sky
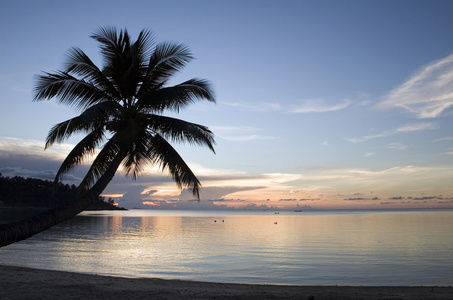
{"type": "Point", "coordinates": [330, 104]}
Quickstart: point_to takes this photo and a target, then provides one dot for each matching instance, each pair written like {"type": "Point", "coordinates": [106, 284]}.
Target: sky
{"type": "Point", "coordinates": [320, 104]}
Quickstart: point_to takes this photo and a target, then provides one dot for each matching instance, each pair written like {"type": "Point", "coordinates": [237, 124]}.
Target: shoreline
{"type": "Point", "coordinates": [29, 283]}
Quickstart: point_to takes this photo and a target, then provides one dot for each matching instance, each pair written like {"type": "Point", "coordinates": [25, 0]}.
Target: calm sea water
{"type": "Point", "coordinates": [296, 248]}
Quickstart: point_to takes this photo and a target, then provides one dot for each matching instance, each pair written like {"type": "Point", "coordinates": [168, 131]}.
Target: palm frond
{"type": "Point", "coordinates": [125, 63]}
{"type": "Point", "coordinates": [68, 90]}
{"type": "Point", "coordinates": [179, 96]}
{"type": "Point", "coordinates": [132, 139]}
{"type": "Point", "coordinates": [92, 118]}
{"type": "Point", "coordinates": [86, 147]}
{"type": "Point", "coordinates": [144, 45]}
{"type": "Point", "coordinates": [104, 158]}
{"type": "Point", "coordinates": [139, 55]}
{"type": "Point", "coordinates": [179, 130]}
{"type": "Point", "coordinates": [108, 39]}
{"type": "Point", "coordinates": [115, 49]}
{"type": "Point", "coordinates": [136, 159]}
{"type": "Point", "coordinates": [166, 59]}
{"type": "Point", "coordinates": [60, 132]}
{"type": "Point", "coordinates": [78, 63]}
{"type": "Point", "coordinates": [162, 154]}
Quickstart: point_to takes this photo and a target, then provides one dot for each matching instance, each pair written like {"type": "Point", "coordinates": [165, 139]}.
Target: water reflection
{"type": "Point", "coordinates": [358, 249]}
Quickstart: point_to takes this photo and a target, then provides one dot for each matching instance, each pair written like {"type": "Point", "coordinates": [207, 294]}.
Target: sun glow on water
{"type": "Point", "coordinates": [345, 248]}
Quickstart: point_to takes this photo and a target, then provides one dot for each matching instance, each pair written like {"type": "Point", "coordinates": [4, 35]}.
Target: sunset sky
{"type": "Point", "coordinates": [327, 104]}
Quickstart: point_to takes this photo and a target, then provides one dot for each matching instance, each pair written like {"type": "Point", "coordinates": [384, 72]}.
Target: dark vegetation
{"type": "Point", "coordinates": [33, 192]}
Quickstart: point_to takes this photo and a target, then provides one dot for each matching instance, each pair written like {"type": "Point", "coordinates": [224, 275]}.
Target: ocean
{"type": "Point", "coordinates": [375, 248]}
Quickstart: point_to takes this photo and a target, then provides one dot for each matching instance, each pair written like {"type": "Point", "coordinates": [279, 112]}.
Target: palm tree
{"type": "Point", "coordinates": [122, 108]}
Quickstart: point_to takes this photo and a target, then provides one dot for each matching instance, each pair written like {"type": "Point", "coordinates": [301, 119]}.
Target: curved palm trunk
{"type": "Point", "coordinates": [17, 231]}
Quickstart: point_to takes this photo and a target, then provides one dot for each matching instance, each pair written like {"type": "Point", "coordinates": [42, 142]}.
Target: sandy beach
{"type": "Point", "coordinates": [26, 283]}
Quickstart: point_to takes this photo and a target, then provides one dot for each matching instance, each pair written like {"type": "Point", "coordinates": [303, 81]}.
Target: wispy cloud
{"type": "Point", "coordinates": [428, 93]}
{"type": "Point", "coordinates": [362, 199]}
{"type": "Point", "coordinates": [305, 106]}
{"type": "Point", "coordinates": [318, 106]}
{"type": "Point", "coordinates": [249, 137]}
{"type": "Point", "coordinates": [239, 133]}
{"type": "Point", "coordinates": [259, 107]}
{"type": "Point", "coordinates": [343, 175]}
{"type": "Point", "coordinates": [398, 146]}
{"type": "Point", "coordinates": [448, 138]}
{"type": "Point", "coordinates": [402, 129]}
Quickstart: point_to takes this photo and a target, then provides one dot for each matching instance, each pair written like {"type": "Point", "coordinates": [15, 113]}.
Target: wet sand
{"type": "Point", "coordinates": [26, 283]}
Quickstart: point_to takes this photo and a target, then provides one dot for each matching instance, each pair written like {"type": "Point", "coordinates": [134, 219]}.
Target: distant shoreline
{"type": "Point", "coordinates": [95, 207]}
{"type": "Point", "coordinates": [27, 283]}
{"type": "Point", "coordinates": [17, 213]}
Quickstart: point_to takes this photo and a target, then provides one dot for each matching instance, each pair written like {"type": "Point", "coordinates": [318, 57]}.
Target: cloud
{"type": "Point", "coordinates": [217, 184]}
{"type": "Point", "coordinates": [14, 147]}
{"type": "Point", "coordinates": [403, 129]}
{"type": "Point", "coordinates": [254, 206]}
{"type": "Point", "coordinates": [309, 199]}
{"type": "Point", "coordinates": [45, 174]}
{"type": "Point", "coordinates": [448, 138]}
{"type": "Point", "coordinates": [306, 106]}
{"type": "Point", "coordinates": [27, 158]}
{"type": "Point", "coordinates": [250, 138]}
{"type": "Point", "coordinates": [17, 171]}
{"type": "Point", "coordinates": [236, 188]}
{"type": "Point", "coordinates": [219, 204]}
{"type": "Point", "coordinates": [333, 181]}
{"type": "Point", "coordinates": [259, 107]}
{"type": "Point", "coordinates": [398, 146]}
{"type": "Point", "coordinates": [209, 193]}
{"type": "Point", "coordinates": [186, 205]}
{"type": "Point", "coordinates": [239, 133]}
{"type": "Point", "coordinates": [319, 106]}
{"type": "Point", "coordinates": [427, 93]}
{"type": "Point", "coordinates": [362, 199]}
{"type": "Point", "coordinates": [427, 198]}
{"type": "Point", "coordinates": [400, 199]}
{"type": "Point", "coordinates": [141, 196]}
{"type": "Point", "coordinates": [369, 154]}
{"type": "Point", "coordinates": [297, 200]}
{"type": "Point", "coordinates": [133, 197]}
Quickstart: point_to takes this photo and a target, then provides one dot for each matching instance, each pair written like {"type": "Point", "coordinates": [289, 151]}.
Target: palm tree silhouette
{"type": "Point", "coordinates": [122, 108]}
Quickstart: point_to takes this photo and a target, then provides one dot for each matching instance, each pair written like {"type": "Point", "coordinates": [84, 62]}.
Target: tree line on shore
{"type": "Point", "coordinates": [33, 192]}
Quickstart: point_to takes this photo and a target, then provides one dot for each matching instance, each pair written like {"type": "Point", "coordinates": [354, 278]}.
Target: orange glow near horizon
{"type": "Point", "coordinates": [112, 195]}
{"type": "Point", "coordinates": [349, 194]}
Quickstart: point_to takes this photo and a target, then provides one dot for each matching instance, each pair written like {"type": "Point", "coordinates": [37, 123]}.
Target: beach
{"type": "Point", "coordinates": [27, 283]}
